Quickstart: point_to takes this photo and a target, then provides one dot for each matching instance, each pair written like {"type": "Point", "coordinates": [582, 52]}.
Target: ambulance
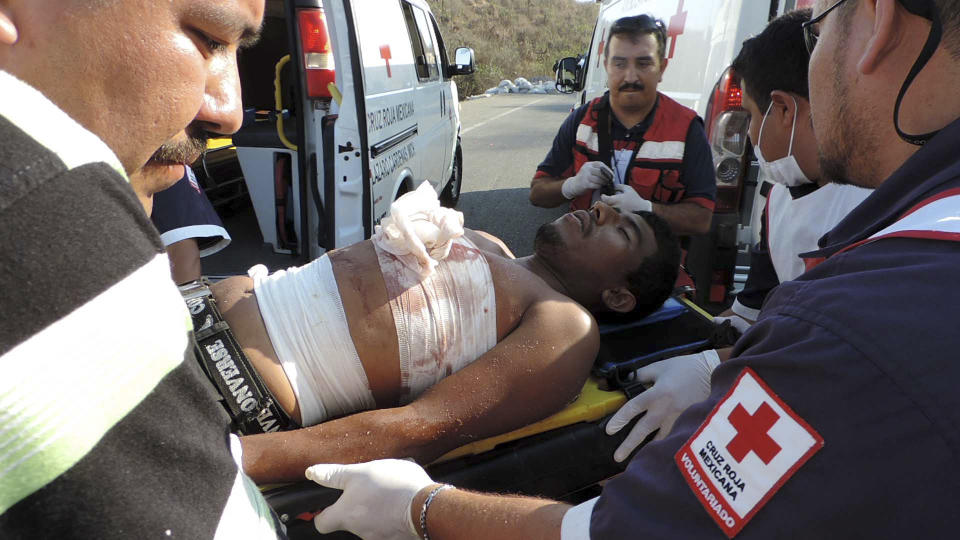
{"type": "Point", "coordinates": [703, 38]}
{"type": "Point", "coordinates": [348, 104]}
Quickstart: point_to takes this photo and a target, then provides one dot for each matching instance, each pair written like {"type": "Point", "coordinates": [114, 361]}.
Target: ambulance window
{"type": "Point", "coordinates": [441, 48]}
{"type": "Point", "coordinates": [421, 38]}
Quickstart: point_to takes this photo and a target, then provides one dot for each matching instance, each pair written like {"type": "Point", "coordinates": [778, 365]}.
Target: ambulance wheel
{"type": "Point", "coordinates": [450, 195]}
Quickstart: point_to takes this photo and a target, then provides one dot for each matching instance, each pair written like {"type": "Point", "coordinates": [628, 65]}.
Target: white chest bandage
{"type": "Point", "coordinates": [444, 321]}
{"type": "Point", "coordinates": [304, 316]}
{"type": "Point", "coordinates": [439, 288]}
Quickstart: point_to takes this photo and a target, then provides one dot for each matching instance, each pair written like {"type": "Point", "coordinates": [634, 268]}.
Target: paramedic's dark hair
{"type": "Point", "coordinates": [636, 27]}
{"type": "Point", "coordinates": [652, 283]}
{"type": "Point", "coordinates": [775, 59]}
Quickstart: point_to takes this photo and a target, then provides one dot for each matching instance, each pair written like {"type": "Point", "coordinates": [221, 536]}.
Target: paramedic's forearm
{"type": "Point", "coordinates": [684, 217]}
{"type": "Point", "coordinates": [184, 260]}
{"type": "Point", "coordinates": [456, 514]}
{"type": "Point", "coordinates": [546, 191]}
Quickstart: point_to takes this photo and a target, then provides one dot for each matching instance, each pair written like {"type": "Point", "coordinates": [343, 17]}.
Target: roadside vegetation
{"type": "Point", "coordinates": [513, 38]}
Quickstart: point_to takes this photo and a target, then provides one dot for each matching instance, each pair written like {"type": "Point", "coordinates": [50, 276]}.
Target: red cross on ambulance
{"type": "Point", "coordinates": [385, 54]}
{"type": "Point", "coordinates": [675, 28]}
{"type": "Point", "coordinates": [749, 445]}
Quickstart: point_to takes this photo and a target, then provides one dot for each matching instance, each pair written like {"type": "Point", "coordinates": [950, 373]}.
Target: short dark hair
{"type": "Point", "coordinates": [775, 59]}
{"type": "Point", "coordinates": [636, 27]}
{"type": "Point", "coordinates": [653, 282]}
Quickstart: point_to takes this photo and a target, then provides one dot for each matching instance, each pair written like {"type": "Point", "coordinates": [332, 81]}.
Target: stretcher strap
{"type": "Point", "coordinates": [251, 406]}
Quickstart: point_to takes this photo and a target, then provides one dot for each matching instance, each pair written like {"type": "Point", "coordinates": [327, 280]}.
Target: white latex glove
{"type": "Point", "coordinates": [736, 321]}
{"type": "Point", "coordinates": [593, 175]}
{"type": "Point", "coordinates": [376, 498]}
{"type": "Point", "coordinates": [627, 200]}
{"type": "Point", "coordinates": [678, 382]}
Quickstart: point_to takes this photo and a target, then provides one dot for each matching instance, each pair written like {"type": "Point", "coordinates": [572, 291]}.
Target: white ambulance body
{"type": "Point", "coordinates": [703, 38]}
{"type": "Point", "coordinates": [371, 112]}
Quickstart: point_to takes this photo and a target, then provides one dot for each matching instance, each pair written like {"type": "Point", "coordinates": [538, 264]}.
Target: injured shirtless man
{"type": "Point", "coordinates": [437, 333]}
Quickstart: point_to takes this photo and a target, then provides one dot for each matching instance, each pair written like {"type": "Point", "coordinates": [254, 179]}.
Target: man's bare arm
{"type": "Point", "coordinates": [546, 192]}
{"type": "Point", "coordinates": [184, 260]}
{"type": "Point", "coordinates": [458, 514]}
{"type": "Point", "coordinates": [685, 217]}
{"type": "Point", "coordinates": [534, 371]}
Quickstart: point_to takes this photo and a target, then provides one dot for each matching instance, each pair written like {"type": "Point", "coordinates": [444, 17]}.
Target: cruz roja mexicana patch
{"type": "Point", "coordinates": [748, 446]}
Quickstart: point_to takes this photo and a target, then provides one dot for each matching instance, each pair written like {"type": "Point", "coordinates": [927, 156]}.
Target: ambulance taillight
{"type": "Point", "coordinates": [727, 126]}
{"type": "Point", "coordinates": [317, 54]}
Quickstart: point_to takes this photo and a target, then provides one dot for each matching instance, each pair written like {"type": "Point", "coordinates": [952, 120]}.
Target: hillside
{"type": "Point", "coordinates": [513, 38]}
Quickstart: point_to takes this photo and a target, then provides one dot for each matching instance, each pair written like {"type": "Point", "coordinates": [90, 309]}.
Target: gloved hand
{"type": "Point", "coordinates": [736, 321]}
{"type": "Point", "coordinates": [627, 200]}
{"type": "Point", "coordinates": [593, 175]}
{"type": "Point", "coordinates": [376, 498]}
{"type": "Point", "coordinates": [678, 382]}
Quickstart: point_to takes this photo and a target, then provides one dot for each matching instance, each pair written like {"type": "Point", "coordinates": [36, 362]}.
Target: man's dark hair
{"type": "Point", "coordinates": [652, 283]}
{"type": "Point", "coordinates": [775, 59]}
{"type": "Point", "coordinates": [637, 26]}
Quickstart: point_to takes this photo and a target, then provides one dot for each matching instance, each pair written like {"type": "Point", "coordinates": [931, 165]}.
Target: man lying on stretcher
{"type": "Point", "coordinates": [436, 332]}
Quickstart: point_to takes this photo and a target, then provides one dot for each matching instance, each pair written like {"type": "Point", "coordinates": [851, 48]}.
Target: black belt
{"type": "Point", "coordinates": [249, 403]}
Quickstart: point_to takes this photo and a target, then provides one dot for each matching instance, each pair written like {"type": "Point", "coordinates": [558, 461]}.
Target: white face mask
{"type": "Point", "coordinates": [785, 170]}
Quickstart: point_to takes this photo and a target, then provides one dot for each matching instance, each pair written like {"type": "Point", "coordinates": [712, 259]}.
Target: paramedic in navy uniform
{"type": "Point", "coordinates": [663, 160]}
{"type": "Point", "coordinates": [189, 226]}
{"type": "Point", "coordinates": [837, 414]}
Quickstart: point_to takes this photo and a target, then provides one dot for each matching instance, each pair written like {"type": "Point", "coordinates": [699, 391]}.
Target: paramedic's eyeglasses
{"type": "Point", "coordinates": [811, 33]}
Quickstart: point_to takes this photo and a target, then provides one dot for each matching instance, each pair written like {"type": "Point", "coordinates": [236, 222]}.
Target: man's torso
{"type": "Point", "coordinates": [366, 304]}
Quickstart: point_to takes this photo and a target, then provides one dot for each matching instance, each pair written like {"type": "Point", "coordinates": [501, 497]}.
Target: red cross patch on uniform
{"type": "Point", "coordinates": [749, 445]}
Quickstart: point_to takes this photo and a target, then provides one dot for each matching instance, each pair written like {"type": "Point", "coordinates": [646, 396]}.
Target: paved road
{"type": "Point", "coordinates": [504, 138]}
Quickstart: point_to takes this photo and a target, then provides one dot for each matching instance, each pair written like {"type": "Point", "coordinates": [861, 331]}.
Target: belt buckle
{"type": "Point", "coordinates": [195, 289]}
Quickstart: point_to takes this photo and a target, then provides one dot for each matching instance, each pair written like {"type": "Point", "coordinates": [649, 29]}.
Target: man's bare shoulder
{"type": "Point", "coordinates": [528, 294]}
{"type": "Point", "coordinates": [489, 243]}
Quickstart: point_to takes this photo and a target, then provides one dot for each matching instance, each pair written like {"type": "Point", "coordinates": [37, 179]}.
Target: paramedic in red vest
{"type": "Point", "coordinates": [837, 415]}
{"type": "Point", "coordinates": [649, 151]}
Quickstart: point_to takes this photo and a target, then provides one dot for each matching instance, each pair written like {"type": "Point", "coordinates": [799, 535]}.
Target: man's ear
{"type": "Point", "coordinates": [783, 108]}
{"type": "Point", "coordinates": [8, 30]}
{"type": "Point", "coordinates": [885, 37]}
{"type": "Point", "coordinates": [663, 67]}
{"type": "Point", "coordinates": [620, 300]}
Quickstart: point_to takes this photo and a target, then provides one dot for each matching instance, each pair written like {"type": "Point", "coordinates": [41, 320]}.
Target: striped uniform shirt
{"type": "Point", "coordinates": [108, 428]}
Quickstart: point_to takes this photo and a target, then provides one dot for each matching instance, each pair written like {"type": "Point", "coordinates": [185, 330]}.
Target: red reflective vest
{"type": "Point", "coordinates": [655, 171]}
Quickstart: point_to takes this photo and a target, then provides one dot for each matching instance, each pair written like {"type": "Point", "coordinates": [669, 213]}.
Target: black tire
{"type": "Point", "coordinates": [450, 195]}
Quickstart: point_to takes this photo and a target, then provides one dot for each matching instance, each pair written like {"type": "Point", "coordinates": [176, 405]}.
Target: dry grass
{"type": "Point", "coordinates": [513, 38]}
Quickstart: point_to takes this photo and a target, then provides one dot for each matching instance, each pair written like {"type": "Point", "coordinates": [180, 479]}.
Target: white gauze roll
{"type": "Point", "coordinates": [419, 231]}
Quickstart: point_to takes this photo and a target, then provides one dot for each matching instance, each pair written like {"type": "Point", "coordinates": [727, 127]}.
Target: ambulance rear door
{"type": "Point", "coordinates": [390, 99]}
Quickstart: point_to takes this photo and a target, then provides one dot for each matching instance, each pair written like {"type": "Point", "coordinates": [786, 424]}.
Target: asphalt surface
{"type": "Point", "coordinates": [504, 138]}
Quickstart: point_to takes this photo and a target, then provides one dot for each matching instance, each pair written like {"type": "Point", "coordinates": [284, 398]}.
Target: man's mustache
{"type": "Point", "coordinates": [185, 151]}
{"type": "Point", "coordinates": [631, 86]}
